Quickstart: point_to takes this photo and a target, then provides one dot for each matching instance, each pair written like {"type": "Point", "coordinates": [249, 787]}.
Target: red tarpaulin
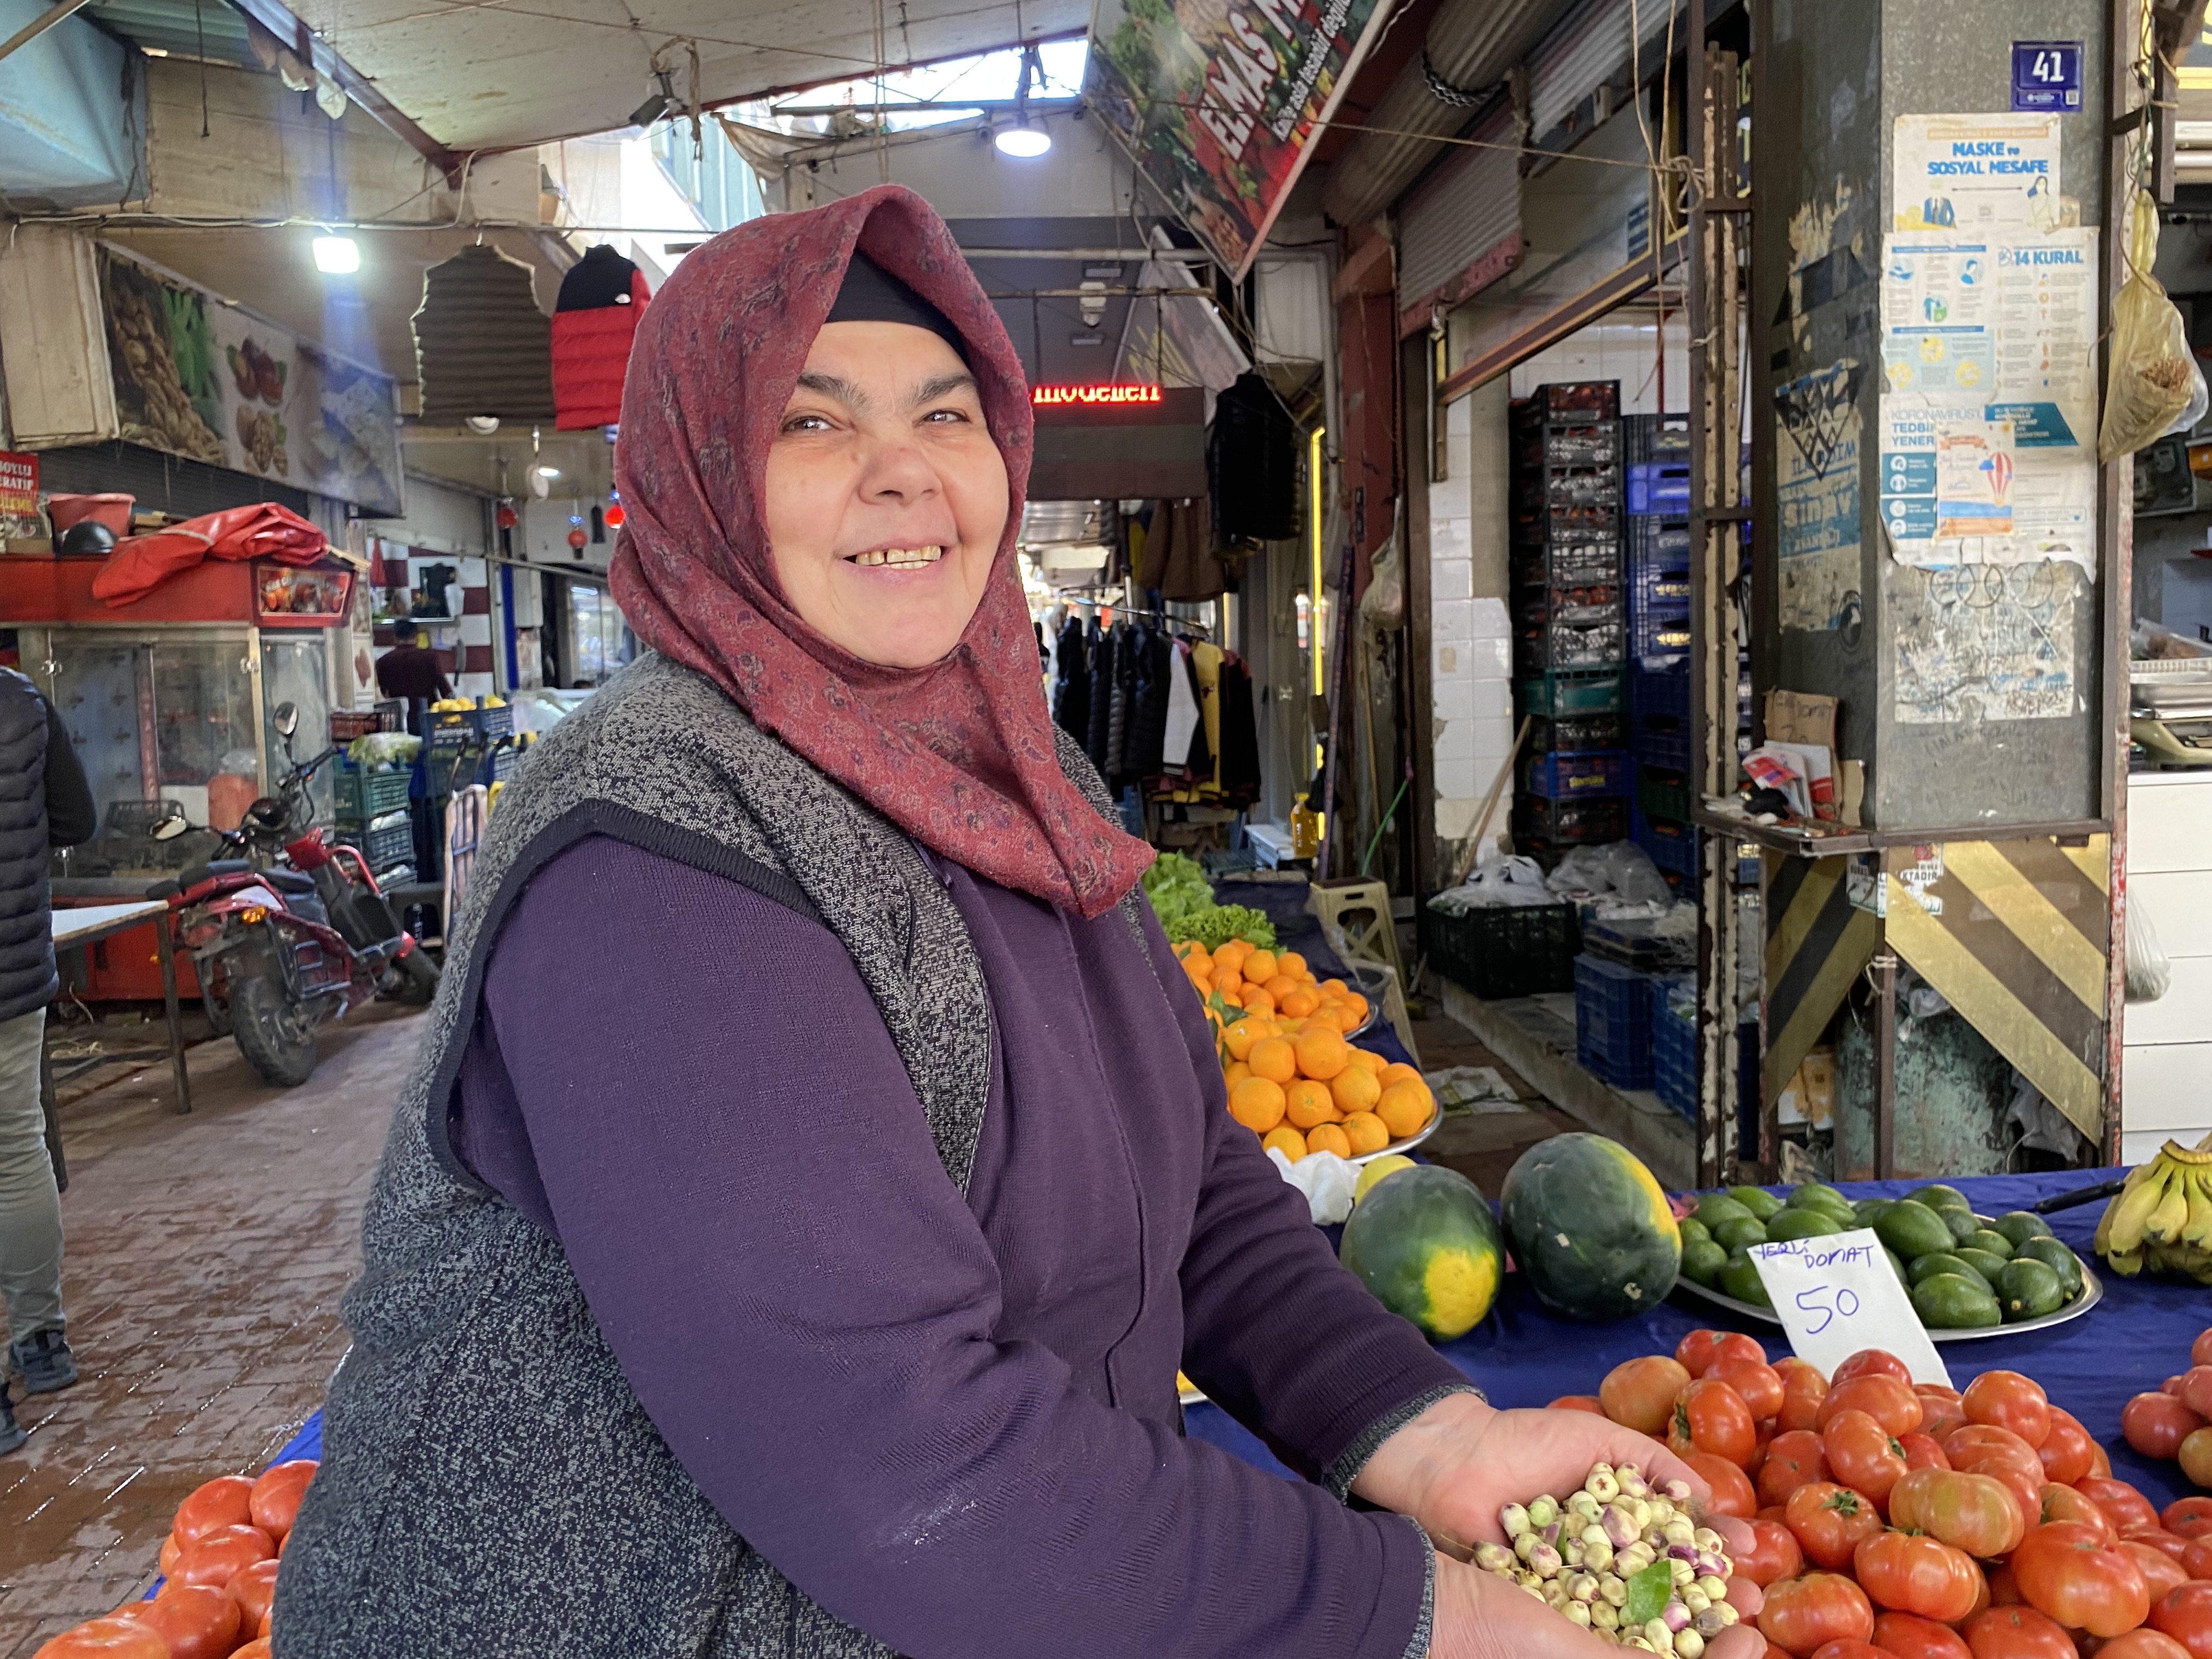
{"type": "Point", "coordinates": [264, 531]}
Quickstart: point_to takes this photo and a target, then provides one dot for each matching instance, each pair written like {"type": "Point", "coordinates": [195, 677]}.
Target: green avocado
{"type": "Point", "coordinates": [2021, 1225]}
{"type": "Point", "coordinates": [2054, 1255]}
{"type": "Point", "coordinates": [1807, 1221]}
{"type": "Point", "coordinates": [1757, 1199]}
{"type": "Point", "coordinates": [1740, 1235]}
{"type": "Point", "coordinates": [1990, 1239]}
{"type": "Point", "coordinates": [1942, 1261]}
{"type": "Point", "coordinates": [1982, 1261]}
{"type": "Point", "coordinates": [1814, 1192]}
{"type": "Point", "coordinates": [1702, 1260]}
{"type": "Point", "coordinates": [1896, 1264]}
{"type": "Point", "coordinates": [1867, 1211]}
{"type": "Point", "coordinates": [1741, 1279]}
{"type": "Point", "coordinates": [1692, 1230]}
{"type": "Point", "coordinates": [1714, 1208]}
{"type": "Point", "coordinates": [1963, 1223]}
{"type": "Point", "coordinates": [2028, 1289]}
{"type": "Point", "coordinates": [1913, 1230]}
{"type": "Point", "coordinates": [1937, 1196]}
{"type": "Point", "coordinates": [1951, 1302]}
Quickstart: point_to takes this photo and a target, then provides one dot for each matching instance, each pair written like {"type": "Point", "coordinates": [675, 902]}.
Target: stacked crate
{"type": "Point", "coordinates": [1657, 577]}
{"type": "Point", "coordinates": [1570, 615]}
{"type": "Point", "coordinates": [373, 815]}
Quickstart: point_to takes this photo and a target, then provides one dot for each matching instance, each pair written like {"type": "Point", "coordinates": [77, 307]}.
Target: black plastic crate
{"type": "Point", "coordinates": [1562, 693]}
{"type": "Point", "coordinates": [1579, 601]}
{"type": "Point", "coordinates": [1540, 647]}
{"type": "Point", "coordinates": [1554, 444]}
{"type": "Point", "coordinates": [1654, 437]}
{"type": "Point", "coordinates": [383, 844]}
{"type": "Point", "coordinates": [1578, 734]}
{"type": "Point", "coordinates": [1537, 525]}
{"type": "Point", "coordinates": [1568, 562]}
{"type": "Point", "coordinates": [1569, 400]}
{"type": "Point", "coordinates": [1546, 824]}
{"type": "Point", "coordinates": [1571, 776]}
{"type": "Point", "coordinates": [1663, 791]}
{"type": "Point", "coordinates": [1505, 950]}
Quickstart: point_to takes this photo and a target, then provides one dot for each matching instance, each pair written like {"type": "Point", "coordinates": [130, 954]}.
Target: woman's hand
{"type": "Point", "coordinates": [1482, 1616]}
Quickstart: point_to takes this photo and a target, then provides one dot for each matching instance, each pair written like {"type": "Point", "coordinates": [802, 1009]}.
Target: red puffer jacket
{"type": "Point", "coordinates": [601, 298]}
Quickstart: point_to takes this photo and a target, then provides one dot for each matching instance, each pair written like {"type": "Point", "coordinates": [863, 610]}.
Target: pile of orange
{"type": "Point", "coordinates": [1271, 983]}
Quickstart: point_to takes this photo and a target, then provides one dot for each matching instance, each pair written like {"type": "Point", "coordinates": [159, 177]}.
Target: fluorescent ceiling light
{"type": "Point", "coordinates": [1023, 141]}
{"type": "Point", "coordinates": [337, 256]}
{"type": "Point", "coordinates": [549, 471]}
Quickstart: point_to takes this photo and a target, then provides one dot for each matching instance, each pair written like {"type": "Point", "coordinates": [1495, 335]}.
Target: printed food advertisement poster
{"type": "Point", "coordinates": [198, 378]}
{"type": "Point", "coordinates": [1216, 100]}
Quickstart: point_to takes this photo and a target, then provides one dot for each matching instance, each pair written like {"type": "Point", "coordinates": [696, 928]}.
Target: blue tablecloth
{"type": "Point", "coordinates": [2138, 1337]}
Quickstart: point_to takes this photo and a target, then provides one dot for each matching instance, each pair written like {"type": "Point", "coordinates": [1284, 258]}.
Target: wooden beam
{"type": "Point", "coordinates": [39, 25]}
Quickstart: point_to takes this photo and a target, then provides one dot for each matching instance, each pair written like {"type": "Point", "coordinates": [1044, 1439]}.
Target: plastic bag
{"type": "Point", "coordinates": [2150, 975]}
{"type": "Point", "coordinates": [1620, 869]}
{"type": "Point", "coordinates": [1382, 606]}
{"type": "Point", "coordinates": [1509, 880]}
{"type": "Point", "coordinates": [1327, 1181]}
{"type": "Point", "coordinates": [2155, 386]}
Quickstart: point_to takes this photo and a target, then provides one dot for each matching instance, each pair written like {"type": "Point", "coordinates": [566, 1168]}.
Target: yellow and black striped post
{"type": "Point", "coordinates": [1817, 941]}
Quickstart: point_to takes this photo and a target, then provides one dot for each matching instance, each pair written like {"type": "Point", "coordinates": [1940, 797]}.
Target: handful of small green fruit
{"type": "Point", "coordinates": [1963, 1271]}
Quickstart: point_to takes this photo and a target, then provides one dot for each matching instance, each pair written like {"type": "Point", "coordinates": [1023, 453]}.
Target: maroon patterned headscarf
{"type": "Point", "coordinates": [959, 754]}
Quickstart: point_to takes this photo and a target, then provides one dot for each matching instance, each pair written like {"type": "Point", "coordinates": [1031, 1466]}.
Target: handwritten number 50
{"type": "Point", "coordinates": [1842, 1304]}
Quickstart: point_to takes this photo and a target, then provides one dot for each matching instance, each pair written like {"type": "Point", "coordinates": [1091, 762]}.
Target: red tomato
{"type": "Point", "coordinates": [198, 1621]}
{"type": "Point", "coordinates": [1911, 1574]}
{"type": "Point", "coordinates": [1851, 1647]}
{"type": "Point", "coordinates": [1773, 1555]}
{"type": "Point", "coordinates": [1793, 1460]}
{"type": "Point", "coordinates": [2067, 1450]}
{"type": "Point", "coordinates": [1922, 1452]}
{"type": "Point", "coordinates": [1696, 1353]}
{"type": "Point", "coordinates": [2065, 1503]}
{"type": "Point", "coordinates": [1940, 1411]}
{"type": "Point", "coordinates": [171, 1549]}
{"type": "Point", "coordinates": [219, 1557]}
{"type": "Point", "coordinates": [1731, 1486]}
{"type": "Point", "coordinates": [1908, 1637]}
{"type": "Point", "coordinates": [1577, 1402]}
{"type": "Point", "coordinates": [2004, 1589]}
{"type": "Point", "coordinates": [2197, 1389]}
{"type": "Point", "coordinates": [1712, 1416]}
{"type": "Point", "coordinates": [1803, 1388]}
{"type": "Point", "coordinates": [1802, 1615]}
{"type": "Point", "coordinates": [2010, 1402]}
{"type": "Point", "coordinates": [2185, 1614]}
{"type": "Point", "coordinates": [2004, 1633]}
{"type": "Point", "coordinates": [2161, 1571]}
{"type": "Point", "coordinates": [1830, 1522]}
{"type": "Point", "coordinates": [1759, 1383]}
{"type": "Point", "coordinates": [2190, 1518]}
{"type": "Point", "coordinates": [1891, 1403]}
{"type": "Point", "coordinates": [2142, 1644]}
{"type": "Point", "coordinates": [2172, 1385]}
{"type": "Point", "coordinates": [1639, 1394]}
{"type": "Point", "coordinates": [2155, 1424]}
{"type": "Point", "coordinates": [254, 1588]}
{"type": "Point", "coordinates": [2021, 1474]}
{"type": "Point", "coordinates": [1863, 1456]}
{"type": "Point", "coordinates": [2171, 1545]}
{"type": "Point", "coordinates": [224, 1502]}
{"type": "Point", "coordinates": [2099, 1464]}
{"type": "Point", "coordinates": [2195, 1457]}
{"type": "Point", "coordinates": [2124, 1506]}
{"type": "Point", "coordinates": [1976, 1513]}
{"type": "Point", "coordinates": [106, 1638]}
{"type": "Point", "coordinates": [257, 1648]}
{"type": "Point", "coordinates": [1871, 1361]}
{"type": "Point", "coordinates": [275, 1497]}
{"type": "Point", "coordinates": [2083, 1580]}
{"type": "Point", "coordinates": [2200, 1352]}
{"type": "Point", "coordinates": [2196, 1559]}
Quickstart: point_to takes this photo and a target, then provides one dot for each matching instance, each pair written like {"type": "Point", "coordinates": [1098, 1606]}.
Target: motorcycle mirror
{"type": "Point", "coordinates": [286, 720]}
{"type": "Point", "coordinates": [170, 828]}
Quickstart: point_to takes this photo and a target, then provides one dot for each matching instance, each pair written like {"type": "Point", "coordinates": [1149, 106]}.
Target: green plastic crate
{"type": "Point", "coordinates": [1572, 691]}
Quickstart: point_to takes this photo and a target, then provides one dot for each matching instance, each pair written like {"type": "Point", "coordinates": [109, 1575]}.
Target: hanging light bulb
{"type": "Point", "coordinates": [337, 256]}
{"type": "Point", "coordinates": [1022, 141]}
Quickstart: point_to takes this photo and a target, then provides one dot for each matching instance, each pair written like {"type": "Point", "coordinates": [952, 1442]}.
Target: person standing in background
{"type": "Point", "coordinates": [45, 803]}
{"type": "Point", "coordinates": [412, 671]}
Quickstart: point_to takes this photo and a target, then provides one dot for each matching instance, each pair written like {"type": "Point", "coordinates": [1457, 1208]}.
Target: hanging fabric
{"type": "Point", "coordinates": [482, 346]}
{"type": "Point", "coordinates": [602, 298]}
{"type": "Point", "coordinates": [1182, 727]}
{"type": "Point", "coordinates": [1239, 773]}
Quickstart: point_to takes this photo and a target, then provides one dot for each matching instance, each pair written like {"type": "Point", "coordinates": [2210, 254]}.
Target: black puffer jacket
{"type": "Point", "coordinates": [45, 803]}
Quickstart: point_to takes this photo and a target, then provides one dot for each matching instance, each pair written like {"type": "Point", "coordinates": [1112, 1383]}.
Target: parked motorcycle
{"type": "Point", "coordinates": [292, 934]}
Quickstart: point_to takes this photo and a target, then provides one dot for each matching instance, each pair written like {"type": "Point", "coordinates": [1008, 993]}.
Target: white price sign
{"type": "Point", "coordinates": [1839, 1296]}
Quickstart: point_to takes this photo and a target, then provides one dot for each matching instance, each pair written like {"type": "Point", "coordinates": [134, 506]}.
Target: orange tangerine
{"type": "Point", "coordinates": [1257, 1103]}
{"type": "Point", "coordinates": [1225, 976]}
{"type": "Point", "coordinates": [1398, 1072]}
{"type": "Point", "coordinates": [1291, 963]}
{"type": "Point", "coordinates": [1328, 1138]}
{"type": "Point", "coordinates": [1335, 987]}
{"type": "Point", "coordinates": [1230, 995]}
{"type": "Point", "coordinates": [1256, 996]}
{"type": "Point", "coordinates": [1201, 977]}
{"type": "Point", "coordinates": [1274, 1059]}
{"type": "Point", "coordinates": [1235, 950]}
{"type": "Point", "coordinates": [1298, 1004]}
{"type": "Point", "coordinates": [1191, 947]}
{"type": "Point", "coordinates": [1369, 1059]}
{"type": "Point", "coordinates": [1280, 986]}
{"type": "Point", "coordinates": [1307, 1104]}
{"type": "Point", "coordinates": [1354, 1089]}
{"type": "Point", "coordinates": [1286, 1141]}
{"type": "Point", "coordinates": [1356, 1005]}
{"type": "Point", "coordinates": [1234, 1074]}
{"type": "Point", "coordinates": [1260, 966]}
{"type": "Point", "coordinates": [1239, 1038]}
{"type": "Point", "coordinates": [1403, 1110]}
{"type": "Point", "coordinates": [1322, 1054]}
{"type": "Point", "coordinates": [1366, 1134]}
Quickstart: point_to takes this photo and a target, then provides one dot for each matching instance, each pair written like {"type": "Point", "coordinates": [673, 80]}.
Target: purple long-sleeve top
{"type": "Point", "coordinates": [951, 1421]}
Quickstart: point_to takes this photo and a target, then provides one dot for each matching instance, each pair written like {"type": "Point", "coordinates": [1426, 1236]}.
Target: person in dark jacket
{"type": "Point", "coordinates": [809, 1280]}
{"type": "Point", "coordinates": [412, 671]}
{"type": "Point", "coordinates": [45, 803]}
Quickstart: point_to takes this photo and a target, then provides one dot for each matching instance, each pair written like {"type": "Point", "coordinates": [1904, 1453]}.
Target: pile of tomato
{"type": "Point", "coordinates": [219, 1576]}
{"type": "Point", "coordinates": [1915, 1521]}
{"type": "Point", "coordinates": [2175, 1420]}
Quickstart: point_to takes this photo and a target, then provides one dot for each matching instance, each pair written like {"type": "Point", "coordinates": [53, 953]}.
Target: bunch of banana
{"type": "Point", "coordinates": [2163, 1219]}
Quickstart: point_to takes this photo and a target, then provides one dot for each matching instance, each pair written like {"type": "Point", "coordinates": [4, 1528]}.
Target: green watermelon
{"type": "Point", "coordinates": [1590, 1228]}
{"type": "Point", "coordinates": [1425, 1244]}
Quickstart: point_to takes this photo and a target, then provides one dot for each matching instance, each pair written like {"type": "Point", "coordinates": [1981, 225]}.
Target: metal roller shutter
{"type": "Point", "coordinates": [1589, 53]}
{"type": "Point", "coordinates": [1469, 206]}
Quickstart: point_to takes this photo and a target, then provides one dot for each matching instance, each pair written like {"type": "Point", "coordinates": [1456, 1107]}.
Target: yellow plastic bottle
{"type": "Point", "coordinates": [1305, 830]}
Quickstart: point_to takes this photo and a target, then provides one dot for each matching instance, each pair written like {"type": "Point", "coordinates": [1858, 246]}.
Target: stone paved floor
{"type": "Point", "coordinates": [205, 1257]}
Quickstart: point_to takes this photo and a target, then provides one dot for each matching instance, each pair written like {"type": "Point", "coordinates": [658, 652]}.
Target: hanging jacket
{"type": "Point", "coordinates": [1182, 729]}
{"type": "Point", "coordinates": [1117, 708]}
{"type": "Point", "coordinates": [1240, 735]}
{"type": "Point", "coordinates": [482, 346]}
{"type": "Point", "coordinates": [1148, 703]}
{"type": "Point", "coordinates": [602, 297]}
{"type": "Point", "coordinates": [1071, 683]}
{"type": "Point", "coordinates": [1101, 657]}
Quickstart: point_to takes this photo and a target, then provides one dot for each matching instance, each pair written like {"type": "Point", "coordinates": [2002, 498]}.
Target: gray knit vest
{"type": "Point", "coordinates": [490, 1485]}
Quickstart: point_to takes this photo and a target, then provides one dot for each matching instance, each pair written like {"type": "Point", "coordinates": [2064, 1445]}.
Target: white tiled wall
{"type": "Point", "coordinates": [2167, 1051]}
{"type": "Point", "coordinates": [1626, 349]}
{"type": "Point", "coordinates": [1468, 630]}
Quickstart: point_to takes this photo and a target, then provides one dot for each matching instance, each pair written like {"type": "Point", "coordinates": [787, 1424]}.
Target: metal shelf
{"type": "Point", "coordinates": [1786, 838]}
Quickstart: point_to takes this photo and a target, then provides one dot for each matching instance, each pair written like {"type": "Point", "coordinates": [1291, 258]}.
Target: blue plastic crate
{"type": "Point", "coordinates": [1674, 1046]}
{"type": "Point", "coordinates": [1673, 845]}
{"type": "Point", "coordinates": [1662, 740]}
{"type": "Point", "coordinates": [1657, 639]}
{"type": "Point", "coordinates": [1660, 691]}
{"type": "Point", "coordinates": [1659, 487]}
{"type": "Point", "coordinates": [1660, 539]}
{"type": "Point", "coordinates": [1571, 776]}
{"type": "Point", "coordinates": [1612, 1011]}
